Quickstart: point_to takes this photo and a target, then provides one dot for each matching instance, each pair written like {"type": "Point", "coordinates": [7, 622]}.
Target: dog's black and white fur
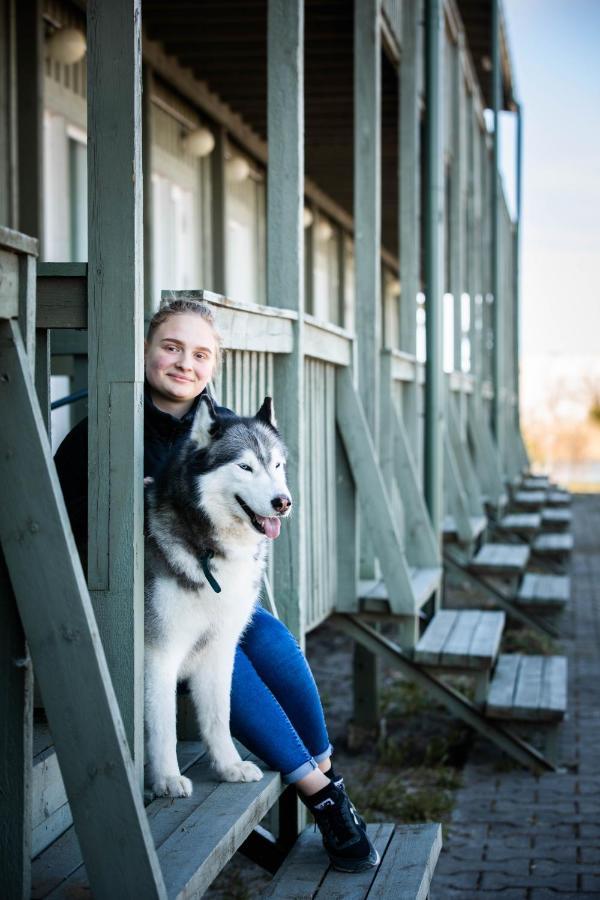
{"type": "Point", "coordinates": [210, 513]}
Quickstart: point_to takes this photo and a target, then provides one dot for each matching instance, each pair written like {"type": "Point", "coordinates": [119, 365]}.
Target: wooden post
{"type": "Point", "coordinates": [285, 279]}
{"type": "Point", "coordinates": [149, 287]}
{"type": "Point", "coordinates": [30, 73]}
{"type": "Point", "coordinates": [498, 346]}
{"type": "Point", "coordinates": [367, 237]}
{"type": "Point", "coordinates": [409, 206]}
{"type": "Point", "coordinates": [434, 255]}
{"type": "Point", "coordinates": [8, 117]}
{"type": "Point", "coordinates": [115, 333]}
{"type": "Point", "coordinates": [16, 703]}
{"type": "Point", "coordinates": [285, 287]}
{"type": "Point", "coordinates": [219, 214]}
{"type": "Point", "coordinates": [16, 746]}
{"type": "Point", "coordinates": [457, 200]}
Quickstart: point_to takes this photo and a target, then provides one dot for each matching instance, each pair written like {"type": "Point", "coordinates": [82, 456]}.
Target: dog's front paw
{"type": "Point", "coordinates": [172, 786]}
{"type": "Point", "coordinates": [240, 771]}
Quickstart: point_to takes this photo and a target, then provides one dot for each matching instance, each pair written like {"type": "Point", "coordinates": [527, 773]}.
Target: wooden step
{"type": "Point", "coordinates": [528, 688]}
{"type": "Point", "coordinates": [535, 482]}
{"type": "Point", "coordinates": [521, 523]}
{"type": "Point", "coordinates": [551, 591]}
{"type": "Point", "coordinates": [408, 853]}
{"type": "Point", "coordinates": [558, 498]}
{"type": "Point", "coordinates": [529, 499]}
{"type": "Point", "coordinates": [194, 836]}
{"type": "Point", "coordinates": [477, 525]}
{"type": "Point", "coordinates": [556, 517]}
{"type": "Point", "coordinates": [461, 639]}
{"type": "Point", "coordinates": [549, 544]}
{"type": "Point", "coordinates": [373, 593]}
{"type": "Point", "coordinates": [501, 559]}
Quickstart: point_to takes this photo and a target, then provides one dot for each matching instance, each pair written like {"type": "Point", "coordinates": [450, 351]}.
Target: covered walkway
{"type": "Point", "coordinates": [522, 837]}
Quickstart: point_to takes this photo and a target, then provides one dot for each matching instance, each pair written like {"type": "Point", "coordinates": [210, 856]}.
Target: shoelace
{"type": "Point", "coordinates": [336, 819]}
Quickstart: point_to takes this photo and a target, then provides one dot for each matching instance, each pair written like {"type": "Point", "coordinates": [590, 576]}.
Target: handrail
{"type": "Point", "coordinates": [69, 398]}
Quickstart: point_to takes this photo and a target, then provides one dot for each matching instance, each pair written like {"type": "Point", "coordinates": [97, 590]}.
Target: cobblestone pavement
{"type": "Point", "coordinates": [516, 836]}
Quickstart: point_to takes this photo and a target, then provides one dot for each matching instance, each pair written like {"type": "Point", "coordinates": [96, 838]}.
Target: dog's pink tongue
{"type": "Point", "coordinates": [272, 526]}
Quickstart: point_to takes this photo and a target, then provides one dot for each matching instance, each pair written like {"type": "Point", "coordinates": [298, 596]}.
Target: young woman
{"type": "Point", "coordinates": [276, 711]}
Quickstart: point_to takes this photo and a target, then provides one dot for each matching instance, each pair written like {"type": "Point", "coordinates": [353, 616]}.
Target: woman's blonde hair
{"type": "Point", "coordinates": [178, 307]}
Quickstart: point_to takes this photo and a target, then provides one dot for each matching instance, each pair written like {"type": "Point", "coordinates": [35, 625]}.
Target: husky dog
{"type": "Point", "coordinates": [210, 513]}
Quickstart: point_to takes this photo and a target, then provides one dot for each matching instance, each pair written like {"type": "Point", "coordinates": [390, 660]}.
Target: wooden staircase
{"type": "Point", "coordinates": [194, 836]}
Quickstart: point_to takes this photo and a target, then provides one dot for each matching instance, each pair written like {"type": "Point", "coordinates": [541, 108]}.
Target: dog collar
{"type": "Point", "coordinates": [205, 563]}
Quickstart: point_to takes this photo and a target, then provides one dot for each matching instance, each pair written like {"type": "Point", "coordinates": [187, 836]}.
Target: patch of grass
{"type": "Point", "coordinates": [525, 640]}
{"type": "Point", "coordinates": [425, 797]}
{"type": "Point", "coordinates": [403, 698]}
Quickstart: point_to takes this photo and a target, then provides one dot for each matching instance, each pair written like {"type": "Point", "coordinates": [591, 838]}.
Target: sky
{"type": "Point", "coordinates": [556, 61]}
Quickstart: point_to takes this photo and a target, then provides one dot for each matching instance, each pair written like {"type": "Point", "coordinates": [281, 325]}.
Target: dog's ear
{"type": "Point", "coordinates": [267, 413]}
{"type": "Point", "coordinates": [205, 423]}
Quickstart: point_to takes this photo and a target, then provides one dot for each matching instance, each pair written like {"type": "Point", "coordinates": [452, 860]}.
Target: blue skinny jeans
{"type": "Point", "coordinates": [276, 711]}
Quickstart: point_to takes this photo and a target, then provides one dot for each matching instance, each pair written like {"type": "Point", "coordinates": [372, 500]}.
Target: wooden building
{"type": "Point", "coordinates": [324, 171]}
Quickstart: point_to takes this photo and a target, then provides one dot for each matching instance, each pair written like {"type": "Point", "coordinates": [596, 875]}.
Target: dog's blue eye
{"type": "Point", "coordinates": [245, 467]}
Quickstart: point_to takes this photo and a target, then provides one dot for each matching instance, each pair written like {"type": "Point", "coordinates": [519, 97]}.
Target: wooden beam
{"type": "Point", "coordinates": [373, 494]}
{"type": "Point", "coordinates": [115, 332]}
{"type": "Point", "coordinates": [285, 278]}
{"type": "Point", "coordinates": [62, 296]}
{"type": "Point", "coordinates": [67, 655]}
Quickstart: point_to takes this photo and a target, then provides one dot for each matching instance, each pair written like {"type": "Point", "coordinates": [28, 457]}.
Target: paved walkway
{"type": "Point", "coordinates": [516, 836]}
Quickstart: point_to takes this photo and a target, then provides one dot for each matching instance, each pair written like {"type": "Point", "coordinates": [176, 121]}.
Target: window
{"type": "Point", "coordinates": [175, 238]}
{"type": "Point", "coordinates": [246, 224]}
{"type": "Point", "coordinates": [78, 195]}
{"type": "Point", "coordinates": [180, 198]}
{"type": "Point", "coordinates": [326, 262]}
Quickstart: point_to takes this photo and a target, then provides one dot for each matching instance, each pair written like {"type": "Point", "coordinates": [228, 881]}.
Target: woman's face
{"type": "Point", "coordinates": [180, 359]}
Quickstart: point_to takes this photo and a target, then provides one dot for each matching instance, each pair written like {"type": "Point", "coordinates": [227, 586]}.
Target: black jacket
{"type": "Point", "coordinates": [162, 432]}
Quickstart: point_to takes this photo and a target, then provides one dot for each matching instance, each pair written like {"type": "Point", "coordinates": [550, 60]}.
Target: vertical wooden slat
{"type": "Point", "coordinates": [285, 276]}
{"type": "Point", "coordinates": [115, 336]}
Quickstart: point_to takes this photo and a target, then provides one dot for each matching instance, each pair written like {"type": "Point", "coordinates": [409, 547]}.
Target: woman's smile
{"type": "Point", "coordinates": [180, 359]}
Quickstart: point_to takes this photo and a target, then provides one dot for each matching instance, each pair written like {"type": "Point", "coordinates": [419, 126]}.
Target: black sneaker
{"type": "Point", "coordinates": [338, 780]}
{"type": "Point", "coordinates": [344, 832]}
